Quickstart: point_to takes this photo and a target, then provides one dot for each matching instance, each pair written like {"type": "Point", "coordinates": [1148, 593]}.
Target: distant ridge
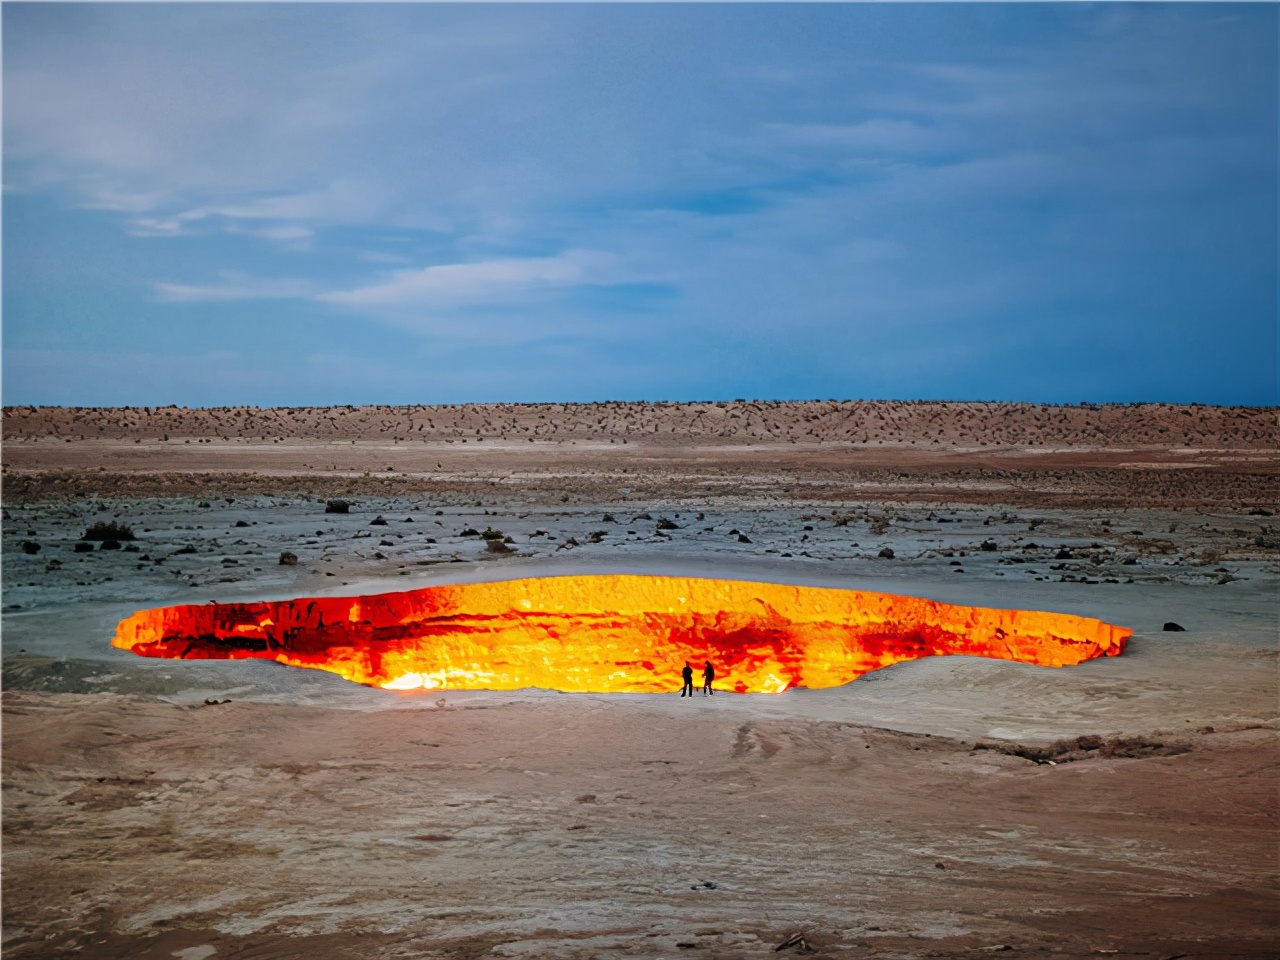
{"type": "Point", "coordinates": [919, 423]}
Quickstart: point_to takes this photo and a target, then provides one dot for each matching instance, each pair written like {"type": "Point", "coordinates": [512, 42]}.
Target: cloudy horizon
{"type": "Point", "coordinates": [327, 204]}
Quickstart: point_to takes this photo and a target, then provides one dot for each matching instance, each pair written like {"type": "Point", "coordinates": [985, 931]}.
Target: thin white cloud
{"type": "Point", "coordinates": [235, 287]}
{"type": "Point", "coordinates": [880, 134]}
{"type": "Point", "coordinates": [485, 281]}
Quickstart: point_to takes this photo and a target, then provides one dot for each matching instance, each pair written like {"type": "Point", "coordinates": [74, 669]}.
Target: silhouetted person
{"type": "Point", "coordinates": [687, 673]}
{"type": "Point", "coordinates": [708, 674]}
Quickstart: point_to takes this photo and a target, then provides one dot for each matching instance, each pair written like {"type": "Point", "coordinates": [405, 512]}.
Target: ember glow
{"type": "Point", "coordinates": [611, 634]}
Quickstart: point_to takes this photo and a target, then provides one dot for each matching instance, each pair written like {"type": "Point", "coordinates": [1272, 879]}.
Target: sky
{"type": "Point", "coordinates": [303, 204]}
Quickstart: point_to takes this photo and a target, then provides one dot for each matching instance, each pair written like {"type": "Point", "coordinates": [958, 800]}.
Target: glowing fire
{"type": "Point", "coordinates": [611, 634]}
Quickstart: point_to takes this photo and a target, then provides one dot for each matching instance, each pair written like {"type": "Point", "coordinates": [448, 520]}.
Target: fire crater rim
{"type": "Point", "coordinates": [612, 633]}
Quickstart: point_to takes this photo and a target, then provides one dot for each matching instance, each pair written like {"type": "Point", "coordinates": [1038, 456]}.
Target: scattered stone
{"type": "Point", "coordinates": [288, 559]}
{"type": "Point", "coordinates": [337, 506]}
{"type": "Point", "coordinates": [30, 546]}
{"type": "Point", "coordinates": [1172, 627]}
{"type": "Point", "coordinates": [988, 545]}
{"type": "Point", "coordinates": [492, 534]}
{"type": "Point", "coordinates": [470, 532]}
{"type": "Point", "coordinates": [84, 547]}
{"type": "Point", "coordinates": [795, 940]}
{"type": "Point", "coordinates": [608, 518]}
{"type": "Point", "coordinates": [378, 521]}
{"type": "Point", "coordinates": [1063, 554]}
{"type": "Point", "coordinates": [497, 546]}
{"type": "Point", "coordinates": [52, 565]}
{"type": "Point", "coordinates": [665, 524]}
{"type": "Point", "coordinates": [641, 516]}
{"type": "Point", "coordinates": [109, 545]}
{"type": "Point", "coordinates": [743, 538]}
{"type": "Point", "coordinates": [242, 523]}
{"type": "Point", "coordinates": [886, 553]}
{"type": "Point", "coordinates": [595, 536]}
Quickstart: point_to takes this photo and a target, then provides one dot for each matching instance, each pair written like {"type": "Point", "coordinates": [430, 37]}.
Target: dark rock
{"type": "Point", "coordinates": [337, 506]}
{"type": "Point", "coordinates": [743, 538]}
{"type": "Point", "coordinates": [641, 516]}
{"type": "Point", "coordinates": [109, 545]}
{"type": "Point", "coordinates": [608, 518]}
{"type": "Point", "coordinates": [1063, 554]}
{"type": "Point", "coordinates": [1172, 627]}
{"type": "Point", "coordinates": [665, 524]}
{"type": "Point", "coordinates": [242, 523]}
{"type": "Point", "coordinates": [30, 546]}
{"type": "Point", "coordinates": [407, 520]}
{"type": "Point", "coordinates": [83, 547]}
{"type": "Point", "coordinates": [378, 521]}
{"type": "Point", "coordinates": [988, 545]}
{"type": "Point", "coordinates": [886, 553]}
{"type": "Point", "coordinates": [492, 534]}
{"type": "Point", "coordinates": [288, 559]}
{"type": "Point", "coordinates": [470, 532]}
{"type": "Point", "coordinates": [53, 565]}
{"type": "Point", "coordinates": [497, 546]}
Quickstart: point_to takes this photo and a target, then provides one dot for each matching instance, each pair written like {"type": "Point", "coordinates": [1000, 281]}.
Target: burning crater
{"type": "Point", "coordinates": [611, 634]}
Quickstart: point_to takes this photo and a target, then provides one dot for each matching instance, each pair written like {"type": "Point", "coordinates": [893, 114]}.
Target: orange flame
{"type": "Point", "coordinates": [611, 634]}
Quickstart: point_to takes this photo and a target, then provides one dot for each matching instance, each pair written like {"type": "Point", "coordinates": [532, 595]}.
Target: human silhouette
{"type": "Point", "coordinates": [687, 673]}
{"type": "Point", "coordinates": [708, 674]}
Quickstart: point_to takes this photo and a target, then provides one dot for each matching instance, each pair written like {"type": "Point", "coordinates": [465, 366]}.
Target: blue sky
{"type": "Point", "coordinates": [310, 204]}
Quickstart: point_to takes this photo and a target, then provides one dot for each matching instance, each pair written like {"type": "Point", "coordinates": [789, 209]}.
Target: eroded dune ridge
{"type": "Point", "coordinates": [611, 633]}
{"type": "Point", "coordinates": [927, 423]}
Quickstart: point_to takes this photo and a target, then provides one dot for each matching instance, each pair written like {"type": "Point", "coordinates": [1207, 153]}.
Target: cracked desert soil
{"type": "Point", "coordinates": [889, 818]}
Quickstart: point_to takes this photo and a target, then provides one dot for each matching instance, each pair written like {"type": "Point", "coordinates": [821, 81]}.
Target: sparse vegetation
{"type": "Point", "coordinates": [108, 531]}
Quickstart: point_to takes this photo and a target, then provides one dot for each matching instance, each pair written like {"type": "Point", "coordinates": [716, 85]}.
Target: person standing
{"type": "Point", "coordinates": [687, 673]}
{"type": "Point", "coordinates": [708, 674]}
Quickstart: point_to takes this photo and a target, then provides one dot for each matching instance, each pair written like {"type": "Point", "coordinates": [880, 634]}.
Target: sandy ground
{"type": "Point", "coordinates": [904, 815]}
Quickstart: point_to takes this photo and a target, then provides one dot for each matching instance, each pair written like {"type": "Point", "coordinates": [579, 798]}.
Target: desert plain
{"type": "Point", "coordinates": [946, 807]}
